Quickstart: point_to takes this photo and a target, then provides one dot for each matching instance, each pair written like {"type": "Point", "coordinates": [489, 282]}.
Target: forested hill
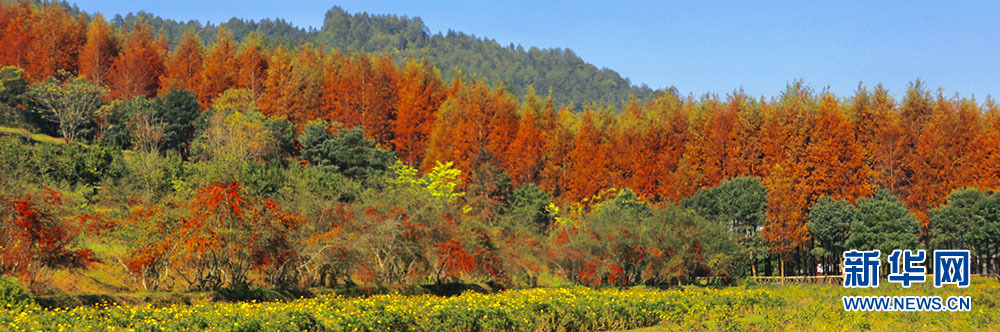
{"type": "Point", "coordinates": [570, 79]}
{"type": "Point", "coordinates": [276, 31]}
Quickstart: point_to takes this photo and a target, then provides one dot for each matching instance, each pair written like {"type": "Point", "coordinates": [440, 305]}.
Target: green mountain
{"type": "Point", "coordinates": [570, 79]}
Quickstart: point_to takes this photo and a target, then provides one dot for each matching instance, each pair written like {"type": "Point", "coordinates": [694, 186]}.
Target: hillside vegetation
{"type": "Point", "coordinates": [570, 78]}
{"type": "Point", "coordinates": [245, 164]}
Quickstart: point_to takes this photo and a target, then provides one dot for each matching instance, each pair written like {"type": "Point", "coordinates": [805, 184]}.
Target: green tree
{"type": "Point", "coordinates": [13, 295]}
{"type": "Point", "coordinates": [411, 230]}
{"type": "Point", "coordinates": [348, 152]}
{"type": "Point", "coordinates": [830, 225]}
{"type": "Point", "coordinates": [884, 223]}
{"type": "Point", "coordinates": [12, 92]}
{"type": "Point", "coordinates": [124, 120]}
{"type": "Point", "coordinates": [953, 224]}
{"type": "Point", "coordinates": [527, 206]}
{"type": "Point", "coordinates": [236, 131]}
{"type": "Point", "coordinates": [740, 204]}
{"type": "Point", "coordinates": [70, 103]}
{"type": "Point", "coordinates": [686, 246]}
{"type": "Point", "coordinates": [284, 136]}
{"type": "Point", "coordinates": [178, 110]}
{"type": "Point", "coordinates": [313, 135]}
{"type": "Point", "coordinates": [521, 233]}
{"type": "Point", "coordinates": [626, 241]}
{"type": "Point", "coordinates": [12, 85]}
{"type": "Point", "coordinates": [986, 233]}
{"type": "Point", "coordinates": [75, 164]}
{"type": "Point", "coordinates": [613, 247]}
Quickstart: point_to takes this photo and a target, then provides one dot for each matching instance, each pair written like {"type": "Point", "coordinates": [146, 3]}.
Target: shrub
{"type": "Point", "coordinates": [76, 164]}
{"type": "Point", "coordinates": [35, 236]}
{"type": "Point", "coordinates": [13, 294]}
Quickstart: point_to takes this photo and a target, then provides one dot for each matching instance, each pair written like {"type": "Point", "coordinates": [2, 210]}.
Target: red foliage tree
{"type": "Point", "coordinates": [525, 159]}
{"type": "Point", "coordinates": [100, 51]}
{"type": "Point", "coordinates": [362, 91]}
{"type": "Point", "coordinates": [56, 41]}
{"type": "Point", "coordinates": [475, 119]}
{"type": "Point", "coordinates": [876, 126]}
{"type": "Point", "coordinates": [420, 95]}
{"type": "Point", "coordinates": [947, 155]}
{"type": "Point", "coordinates": [559, 143]}
{"type": "Point", "coordinates": [452, 260]}
{"type": "Point", "coordinates": [219, 72]}
{"type": "Point", "coordinates": [294, 85]}
{"type": "Point", "coordinates": [706, 157]}
{"type": "Point", "coordinates": [664, 138]}
{"type": "Point", "coordinates": [16, 33]}
{"type": "Point", "coordinates": [990, 172]}
{"type": "Point", "coordinates": [746, 155]}
{"type": "Point", "coordinates": [138, 68]}
{"type": "Point", "coordinates": [785, 230]}
{"type": "Point", "coordinates": [590, 158]}
{"type": "Point", "coordinates": [183, 68]}
{"type": "Point", "coordinates": [225, 235]}
{"type": "Point", "coordinates": [833, 157]}
{"type": "Point", "coordinates": [278, 93]}
{"type": "Point", "coordinates": [251, 60]}
{"type": "Point", "coordinates": [35, 235]}
{"type": "Point", "coordinates": [145, 230]}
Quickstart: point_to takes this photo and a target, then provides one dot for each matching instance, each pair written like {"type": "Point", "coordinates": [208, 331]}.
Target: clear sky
{"type": "Point", "coordinates": [698, 46]}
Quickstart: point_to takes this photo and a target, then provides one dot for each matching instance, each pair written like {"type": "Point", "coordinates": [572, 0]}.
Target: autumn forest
{"type": "Point", "coordinates": [222, 163]}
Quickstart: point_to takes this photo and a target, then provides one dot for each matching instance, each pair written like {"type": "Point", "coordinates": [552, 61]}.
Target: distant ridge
{"type": "Point", "coordinates": [571, 80]}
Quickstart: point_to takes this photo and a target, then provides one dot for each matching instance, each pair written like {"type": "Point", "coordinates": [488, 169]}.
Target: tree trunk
{"type": "Point", "coordinates": [782, 270]}
{"type": "Point", "coordinates": [840, 264]}
{"type": "Point", "coordinates": [995, 258]}
{"type": "Point", "coordinates": [767, 266]}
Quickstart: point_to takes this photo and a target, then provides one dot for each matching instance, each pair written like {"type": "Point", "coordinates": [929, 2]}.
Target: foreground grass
{"type": "Point", "coordinates": [562, 309]}
{"type": "Point", "coordinates": [819, 308]}
{"type": "Point", "coordinates": [755, 308]}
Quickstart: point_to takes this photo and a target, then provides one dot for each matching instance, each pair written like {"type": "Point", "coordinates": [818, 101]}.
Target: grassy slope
{"type": "Point", "coordinates": [24, 133]}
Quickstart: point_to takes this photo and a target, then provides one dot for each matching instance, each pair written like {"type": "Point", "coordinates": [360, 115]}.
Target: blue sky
{"type": "Point", "coordinates": [704, 46]}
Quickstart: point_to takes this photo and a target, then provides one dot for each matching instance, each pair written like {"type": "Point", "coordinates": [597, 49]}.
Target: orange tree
{"type": "Point", "coordinates": [34, 236]}
{"type": "Point", "coordinates": [145, 231]}
{"type": "Point", "coordinates": [225, 235]}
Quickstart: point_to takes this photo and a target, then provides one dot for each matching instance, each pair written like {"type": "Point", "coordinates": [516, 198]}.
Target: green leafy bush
{"type": "Point", "coordinates": [77, 164]}
{"type": "Point", "coordinates": [13, 294]}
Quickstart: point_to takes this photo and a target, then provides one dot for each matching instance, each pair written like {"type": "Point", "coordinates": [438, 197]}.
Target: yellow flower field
{"type": "Point", "coordinates": [559, 309]}
{"type": "Point", "coordinates": [764, 307]}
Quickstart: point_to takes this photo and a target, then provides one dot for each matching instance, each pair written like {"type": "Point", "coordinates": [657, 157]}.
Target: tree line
{"type": "Point", "coordinates": [572, 80]}
{"type": "Point", "coordinates": [246, 163]}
